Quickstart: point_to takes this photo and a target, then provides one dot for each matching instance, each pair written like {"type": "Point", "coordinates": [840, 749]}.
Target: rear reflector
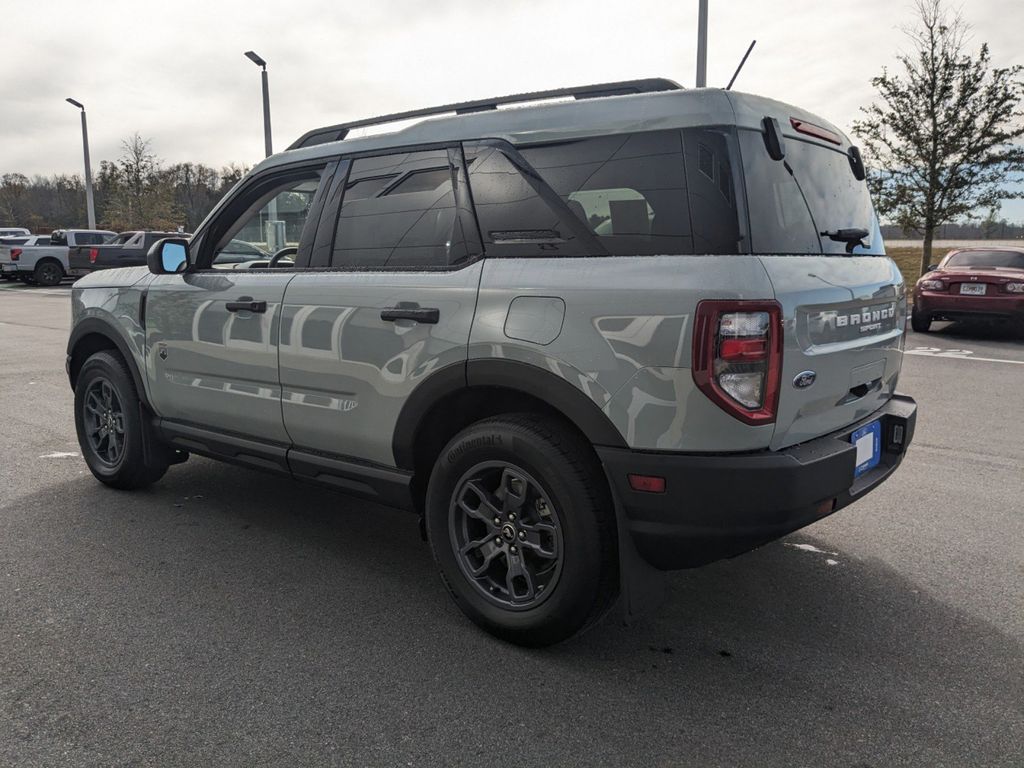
{"type": "Point", "coordinates": [647, 483]}
{"type": "Point", "coordinates": [802, 126]}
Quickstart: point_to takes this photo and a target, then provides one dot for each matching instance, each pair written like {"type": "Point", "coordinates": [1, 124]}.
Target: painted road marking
{"type": "Point", "coordinates": [958, 354]}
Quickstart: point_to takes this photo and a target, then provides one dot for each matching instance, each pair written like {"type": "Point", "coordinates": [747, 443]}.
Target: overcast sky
{"type": "Point", "coordinates": [175, 72]}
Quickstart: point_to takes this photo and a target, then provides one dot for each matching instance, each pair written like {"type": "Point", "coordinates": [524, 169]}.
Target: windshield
{"type": "Point", "coordinates": [986, 260]}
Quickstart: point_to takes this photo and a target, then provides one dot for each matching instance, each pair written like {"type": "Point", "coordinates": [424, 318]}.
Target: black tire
{"type": "Point", "coordinates": [119, 467]}
{"type": "Point", "coordinates": [920, 322]}
{"type": "Point", "coordinates": [570, 522]}
{"type": "Point", "coordinates": [48, 273]}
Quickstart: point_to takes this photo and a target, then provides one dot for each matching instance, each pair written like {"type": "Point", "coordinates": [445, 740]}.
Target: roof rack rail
{"type": "Point", "coordinates": [625, 87]}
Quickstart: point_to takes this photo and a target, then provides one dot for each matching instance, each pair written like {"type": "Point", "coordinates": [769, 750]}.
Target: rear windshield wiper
{"type": "Point", "coordinates": [852, 236]}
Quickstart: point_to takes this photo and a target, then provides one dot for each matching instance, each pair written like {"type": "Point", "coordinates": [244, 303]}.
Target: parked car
{"type": "Point", "coordinates": [43, 260]}
{"type": "Point", "coordinates": [583, 339]}
{"type": "Point", "coordinates": [984, 283]}
{"type": "Point", "coordinates": [126, 249]}
{"type": "Point", "coordinates": [13, 232]}
{"type": "Point", "coordinates": [5, 245]}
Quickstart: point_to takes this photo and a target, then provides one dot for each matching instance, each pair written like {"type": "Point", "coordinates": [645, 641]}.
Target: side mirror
{"type": "Point", "coordinates": [931, 267]}
{"type": "Point", "coordinates": [168, 256]}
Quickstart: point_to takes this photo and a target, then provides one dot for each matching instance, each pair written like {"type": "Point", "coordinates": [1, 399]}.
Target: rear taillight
{"type": "Point", "coordinates": [93, 253]}
{"type": "Point", "coordinates": [932, 285]}
{"type": "Point", "coordinates": [1015, 287]}
{"type": "Point", "coordinates": [15, 254]}
{"type": "Point", "coordinates": [737, 357]}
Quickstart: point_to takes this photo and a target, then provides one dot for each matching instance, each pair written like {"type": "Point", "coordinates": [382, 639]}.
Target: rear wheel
{"type": "Point", "coordinates": [110, 425]}
{"type": "Point", "coordinates": [921, 322]}
{"type": "Point", "coordinates": [521, 526]}
{"type": "Point", "coordinates": [48, 273]}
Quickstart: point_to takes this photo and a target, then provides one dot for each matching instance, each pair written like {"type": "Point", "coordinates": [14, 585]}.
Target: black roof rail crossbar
{"type": "Point", "coordinates": [625, 87]}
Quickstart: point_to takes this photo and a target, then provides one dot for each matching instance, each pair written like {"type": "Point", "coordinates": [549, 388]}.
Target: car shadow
{"type": "Point", "coordinates": [979, 330]}
{"type": "Point", "coordinates": [262, 594]}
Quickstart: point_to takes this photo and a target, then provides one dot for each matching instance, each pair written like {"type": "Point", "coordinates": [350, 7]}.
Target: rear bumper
{"type": "Point", "coordinates": [720, 505]}
{"type": "Point", "coordinates": [952, 306]}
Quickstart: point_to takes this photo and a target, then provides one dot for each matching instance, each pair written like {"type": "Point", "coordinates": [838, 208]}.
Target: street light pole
{"type": "Point", "coordinates": [275, 230]}
{"type": "Point", "coordinates": [702, 44]}
{"type": "Point", "coordinates": [255, 59]}
{"type": "Point", "coordinates": [90, 207]}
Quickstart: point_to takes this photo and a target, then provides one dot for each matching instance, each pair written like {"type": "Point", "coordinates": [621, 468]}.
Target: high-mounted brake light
{"type": "Point", "coordinates": [93, 254]}
{"type": "Point", "coordinates": [15, 254]}
{"type": "Point", "coordinates": [737, 357]}
{"type": "Point", "coordinates": [802, 126]}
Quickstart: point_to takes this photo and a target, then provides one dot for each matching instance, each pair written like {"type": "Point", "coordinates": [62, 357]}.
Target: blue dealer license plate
{"type": "Point", "coordinates": [868, 442]}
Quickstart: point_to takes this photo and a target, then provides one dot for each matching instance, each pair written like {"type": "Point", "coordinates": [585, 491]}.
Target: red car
{"type": "Point", "coordinates": [985, 283]}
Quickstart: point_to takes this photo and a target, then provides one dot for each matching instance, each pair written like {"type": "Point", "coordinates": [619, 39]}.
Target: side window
{"type": "Point", "coordinates": [408, 209]}
{"type": "Point", "coordinates": [515, 219]}
{"type": "Point", "coordinates": [630, 190]}
{"type": "Point", "coordinates": [714, 210]}
{"type": "Point", "coordinates": [272, 224]}
{"type": "Point", "coordinates": [780, 221]}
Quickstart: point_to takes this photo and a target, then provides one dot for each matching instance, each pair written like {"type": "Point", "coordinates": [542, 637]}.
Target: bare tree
{"type": "Point", "coordinates": [942, 141]}
{"type": "Point", "coordinates": [137, 193]}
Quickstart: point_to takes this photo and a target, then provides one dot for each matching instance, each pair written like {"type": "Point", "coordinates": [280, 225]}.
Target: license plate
{"type": "Point", "coordinates": [868, 442]}
{"type": "Point", "coordinates": [973, 289]}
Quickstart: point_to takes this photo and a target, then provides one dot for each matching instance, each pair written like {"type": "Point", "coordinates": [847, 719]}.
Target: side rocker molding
{"type": "Point", "coordinates": [507, 374]}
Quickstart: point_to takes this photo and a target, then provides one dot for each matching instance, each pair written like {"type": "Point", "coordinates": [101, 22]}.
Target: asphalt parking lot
{"type": "Point", "coordinates": [226, 618]}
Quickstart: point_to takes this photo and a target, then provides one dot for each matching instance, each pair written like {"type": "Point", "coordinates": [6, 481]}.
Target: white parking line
{"type": "Point", "coordinates": [958, 354]}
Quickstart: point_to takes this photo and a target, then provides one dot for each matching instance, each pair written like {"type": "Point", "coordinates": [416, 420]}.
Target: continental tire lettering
{"type": "Point", "coordinates": [489, 441]}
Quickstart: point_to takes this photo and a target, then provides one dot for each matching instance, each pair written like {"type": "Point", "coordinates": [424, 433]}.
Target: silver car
{"type": "Point", "coordinates": [625, 328]}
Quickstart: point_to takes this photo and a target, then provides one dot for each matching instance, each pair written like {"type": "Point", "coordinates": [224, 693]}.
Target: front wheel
{"type": "Point", "coordinates": [110, 425]}
{"type": "Point", "coordinates": [921, 322]}
{"type": "Point", "coordinates": [522, 528]}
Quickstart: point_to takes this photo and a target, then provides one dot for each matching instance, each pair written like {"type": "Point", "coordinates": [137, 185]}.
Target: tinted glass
{"type": "Point", "coordinates": [629, 190]}
{"type": "Point", "coordinates": [59, 237]}
{"type": "Point", "coordinates": [43, 241]}
{"type": "Point", "coordinates": [812, 191]}
{"type": "Point", "coordinates": [836, 198]}
{"type": "Point", "coordinates": [714, 210]}
{"type": "Point", "coordinates": [399, 211]}
{"type": "Point", "coordinates": [89, 238]}
{"type": "Point", "coordinates": [779, 219]}
{"type": "Point", "coordinates": [983, 259]}
{"type": "Point", "coordinates": [514, 218]}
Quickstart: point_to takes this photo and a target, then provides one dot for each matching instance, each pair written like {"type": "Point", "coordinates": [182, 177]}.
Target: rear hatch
{"type": "Point", "coordinates": [843, 301]}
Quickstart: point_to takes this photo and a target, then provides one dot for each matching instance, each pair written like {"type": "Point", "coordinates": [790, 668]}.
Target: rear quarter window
{"type": "Point", "coordinates": [630, 190]}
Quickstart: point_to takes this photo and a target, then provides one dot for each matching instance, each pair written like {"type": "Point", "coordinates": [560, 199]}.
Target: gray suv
{"type": "Point", "coordinates": [620, 329]}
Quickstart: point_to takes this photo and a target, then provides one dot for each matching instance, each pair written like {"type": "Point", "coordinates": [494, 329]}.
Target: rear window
{"type": "Point", "coordinates": [88, 238]}
{"type": "Point", "coordinates": [986, 259]}
{"type": "Point", "coordinates": [813, 190]}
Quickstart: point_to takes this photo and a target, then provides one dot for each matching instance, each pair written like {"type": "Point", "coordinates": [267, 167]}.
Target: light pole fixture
{"type": "Point", "coordinates": [259, 62]}
{"type": "Point", "coordinates": [89, 206]}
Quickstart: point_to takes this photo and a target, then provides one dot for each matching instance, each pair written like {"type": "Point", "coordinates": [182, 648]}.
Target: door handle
{"type": "Point", "coordinates": [429, 315]}
{"type": "Point", "coordinates": [246, 304]}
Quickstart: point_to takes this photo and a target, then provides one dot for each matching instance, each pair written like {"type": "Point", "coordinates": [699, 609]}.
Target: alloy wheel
{"type": "Point", "coordinates": [506, 535]}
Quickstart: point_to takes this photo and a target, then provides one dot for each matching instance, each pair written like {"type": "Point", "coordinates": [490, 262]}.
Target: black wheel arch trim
{"type": "Point", "coordinates": [94, 325]}
{"type": "Point", "coordinates": [507, 374]}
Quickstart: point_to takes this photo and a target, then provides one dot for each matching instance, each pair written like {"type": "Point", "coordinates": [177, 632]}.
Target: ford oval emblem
{"type": "Point", "coordinates": [804, 379]}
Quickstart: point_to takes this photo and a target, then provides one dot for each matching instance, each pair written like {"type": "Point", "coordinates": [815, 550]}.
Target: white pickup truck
{"type": "Point", "coordinates": [44, 260]}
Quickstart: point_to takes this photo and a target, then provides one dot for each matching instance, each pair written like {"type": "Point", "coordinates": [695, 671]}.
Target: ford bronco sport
{"type": "Point", "coordinates": [623, 328]}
